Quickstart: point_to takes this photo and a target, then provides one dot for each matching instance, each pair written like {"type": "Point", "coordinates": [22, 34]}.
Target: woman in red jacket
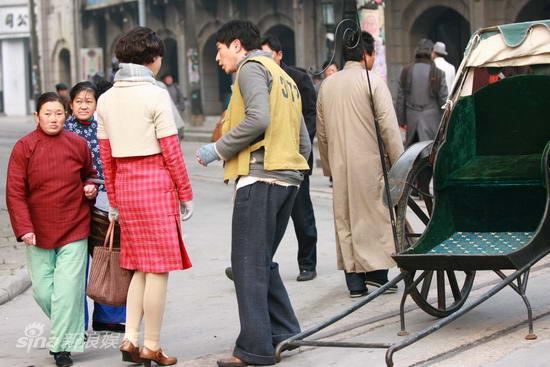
{"type": "Point", "coordinates": [147, 184]}
{"type": "Point", "coordinates": [48, 195]}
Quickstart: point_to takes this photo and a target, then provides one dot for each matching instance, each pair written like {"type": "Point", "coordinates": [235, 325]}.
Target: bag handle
{"type": "Point", "coordinates": [110, 235]}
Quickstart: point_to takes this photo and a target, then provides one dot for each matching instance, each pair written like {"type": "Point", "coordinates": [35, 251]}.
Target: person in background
{"type": "Point", "coordinates": [147, 183]}
{"type": "Point", "coordinates": [329, 68]}
{"type": "Point", "coordinates": [48, 195]}
{"type": "Point", "coordinates": [438, 56]}
{"type": "Point", "coordinates": [421, 93]}
{"type": "Point", "coordinates": [62, 90]}
{"type": "Point", "coordinates": [175, 92]}
{"type": "Point", "coordinates": [265, 146]}
{"type": "Point", "coordinates": [83, 97]}
{"type": "Point", "coordinates": [178, 100]}
{"type": "Point", "coordinates": [349, 152]}
{"type": "Point", "coordinates": [302, 213]}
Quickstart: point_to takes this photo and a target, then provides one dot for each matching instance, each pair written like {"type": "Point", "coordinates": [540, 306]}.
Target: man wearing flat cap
{"type": "Point", "coordinates": [438, 56]}
{"type": "Point", "coordinates": [421, 93]}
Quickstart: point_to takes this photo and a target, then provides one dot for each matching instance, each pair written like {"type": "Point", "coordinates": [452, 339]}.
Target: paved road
{"type": "Point", "coordinates": [201, 319]}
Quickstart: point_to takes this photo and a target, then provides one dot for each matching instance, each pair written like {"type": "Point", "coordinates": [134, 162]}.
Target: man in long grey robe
{"type": "Point", "coordinates": [349, 152]}
{"type": "Point", "coordinates": [421, 94]}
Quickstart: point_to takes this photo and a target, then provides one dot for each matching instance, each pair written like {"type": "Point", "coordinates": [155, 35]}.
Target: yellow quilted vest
{"type": "Point", "coordinates": [282, 137]}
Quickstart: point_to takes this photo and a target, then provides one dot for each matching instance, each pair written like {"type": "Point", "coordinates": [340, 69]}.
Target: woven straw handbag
{"type": "Point", "coordinates": [108, 282]}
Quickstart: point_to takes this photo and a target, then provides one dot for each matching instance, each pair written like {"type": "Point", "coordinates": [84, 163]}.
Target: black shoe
{"type": "Point", "coordinates": [357, 294]}
{"type": "Point", "coordinates": [306, 275]}
{"type": "Point", "coordinates": [229, 272]}
{"type": "Point", "coordinates": [114, 328]}
{"type": "Point", "coordinates": [62, 359]}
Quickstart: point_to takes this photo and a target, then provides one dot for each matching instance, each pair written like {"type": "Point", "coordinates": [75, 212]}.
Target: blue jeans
{"type": "Point", "coordinates": [260, 217]}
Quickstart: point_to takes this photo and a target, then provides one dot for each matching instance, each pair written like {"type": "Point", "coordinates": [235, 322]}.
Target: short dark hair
{"type": "Point", "coordinates": [49, 97]}
{"type": "Point", "coordinates": [61, 86]}
{"type": "Point", "coordinates": [273, 43]}
{"type": "Point", "coordinates": [103, 85]}
{"type": "Point", "coordinates": [241, 30]}
{"type": "Point", "coordinates": [81, 87]}
{"type": "Point", "coordinates": [139, 46]}
{"type": "Point", "coordinates": [353, 50]}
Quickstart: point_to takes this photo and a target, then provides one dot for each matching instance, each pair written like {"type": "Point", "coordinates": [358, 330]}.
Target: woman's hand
{"type": "Point", "coordinates": [186, 210]}
{"type": "Point", "coordinates": [90, 191]}
{"type": "Point", "coordinates": [113, 214]}
{"type": "Point", "coordinates": [29, 239]}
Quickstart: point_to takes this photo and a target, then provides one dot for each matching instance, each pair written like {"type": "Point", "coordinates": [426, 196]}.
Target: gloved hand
{"type": "Point", "coordinates": [186, 210]}
{"type": "Point", "coordinates": [207, 154]}
{"type": "Point", "coordinates": [113, 214]}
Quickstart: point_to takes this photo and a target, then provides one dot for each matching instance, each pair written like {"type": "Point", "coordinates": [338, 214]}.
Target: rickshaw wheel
{"type": "Point", "coordinates": [437, 306]}
{"type": "Point", "coordinates": [420, 210]}
{"type": "Point", "coordinates": [406, 210]}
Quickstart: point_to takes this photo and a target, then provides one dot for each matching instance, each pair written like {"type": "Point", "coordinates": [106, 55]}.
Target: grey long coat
{"type": "Point", "coordinates": [418, 109]}
{"type": "Point", "coordinates": [349, 152]}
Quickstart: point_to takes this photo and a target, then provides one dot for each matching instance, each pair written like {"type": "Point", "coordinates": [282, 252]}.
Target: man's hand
{"type": "Point", "coordinates": [29, 239]}
{"type": "Point", "coordinates": [207, 154]}
{"type": "Point", "coordinates": [90, 191]}
{"type": "Point", "coordinates": [186, 209]}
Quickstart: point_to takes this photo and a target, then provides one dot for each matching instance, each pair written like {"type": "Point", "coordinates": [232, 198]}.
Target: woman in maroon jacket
{"type": "Point", "coordinates": [48, 197]}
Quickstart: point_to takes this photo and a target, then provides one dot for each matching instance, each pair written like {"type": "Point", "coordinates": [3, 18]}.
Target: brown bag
{"type": "Point", "coordinates": [217, 133]}
{"type": "Point", "coordinates": [108, 282]}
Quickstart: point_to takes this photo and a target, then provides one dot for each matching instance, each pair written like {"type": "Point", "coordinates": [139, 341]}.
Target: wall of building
{"type": "Point", "coordinates": [57, 32]}
{"type": "Point", "coordinates": [409, 20]}
{"type": "Point", "coordinates": [14, 56]}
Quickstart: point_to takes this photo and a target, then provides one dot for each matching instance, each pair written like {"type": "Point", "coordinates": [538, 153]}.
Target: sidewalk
{"type": "Point", "coordinates": [13, 275]}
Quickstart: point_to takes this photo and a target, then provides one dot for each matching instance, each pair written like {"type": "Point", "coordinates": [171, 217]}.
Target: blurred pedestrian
{"type": "Point", "coordinates": [349, 152]}
{"type": "Point", "coordinates": [265, 146]}
{"type": "Point", "coordinates": [421, 93]}
{"type": "Point", "coordinates": [82, 122]}
{"type": "Point", "coordinates": [178, 100]}
{"type": "Point", "coordinates": [146, 182]}
{"type": "Point", "coordinates": [302, 212]}
{"type": "Point", "coordinates": [175, 92]}
{"type": "Point", "coordinates": [329, 68]}
{"type": "Point", "coordinates": [48, 198]}
{"type": "Point", "coordinates": [438, 56]}
{"type": "Point", "coordinates": [62, 90]}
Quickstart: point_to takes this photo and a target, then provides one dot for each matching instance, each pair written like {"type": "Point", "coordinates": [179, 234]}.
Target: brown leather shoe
{"type": "Point", "coordinates": [130, 353]}
{"type": "Point", "coordinates": [147, 356]}
{"type": "Point", "coordinates": [231, 362]}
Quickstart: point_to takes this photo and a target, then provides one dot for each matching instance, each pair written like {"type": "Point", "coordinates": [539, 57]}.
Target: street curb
{"type": "Point", "coordinates": [13, 285]}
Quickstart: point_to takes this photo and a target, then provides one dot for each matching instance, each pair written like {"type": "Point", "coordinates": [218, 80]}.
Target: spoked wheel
{"type": "Point", "coordinates": [434, 300]}
{"type": "Point", "coordinates": [414, 209]}
{"type": "Point", "coordinates": [412, 217]}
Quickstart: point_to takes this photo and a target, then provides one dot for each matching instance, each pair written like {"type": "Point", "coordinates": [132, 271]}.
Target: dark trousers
{"type": "Point", "coordinates": [260, 217]}
{"type": "Point", "coordinates": [304, 226]}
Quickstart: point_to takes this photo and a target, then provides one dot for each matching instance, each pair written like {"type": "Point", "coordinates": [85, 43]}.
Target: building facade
{"type": "Point", "coordinates": [448, 21]}
{"type": "Point", "coordinates": [76, 38]}
{"type": "Point", "coordinates": [15, 73]}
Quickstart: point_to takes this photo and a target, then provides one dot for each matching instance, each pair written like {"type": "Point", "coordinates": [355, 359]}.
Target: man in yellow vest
{"type": "Point", "coordinates": [265, 147]}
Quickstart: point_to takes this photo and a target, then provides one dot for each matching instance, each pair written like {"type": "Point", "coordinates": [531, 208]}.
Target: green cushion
{"type": "Point", "coordinates": [491, 170]}
{"type": "Point", "coordinates": [482, 243]}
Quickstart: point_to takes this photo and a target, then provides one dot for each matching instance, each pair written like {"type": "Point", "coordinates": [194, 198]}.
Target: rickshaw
{"type": "Point", "coordinates": [490, 207]}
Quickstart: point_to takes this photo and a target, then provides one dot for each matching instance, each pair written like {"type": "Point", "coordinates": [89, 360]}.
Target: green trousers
{"type": "Point", "coordinates": [58, 279]}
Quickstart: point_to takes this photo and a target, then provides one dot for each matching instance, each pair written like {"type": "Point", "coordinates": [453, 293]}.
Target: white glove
{"type": "Point", "coordinates": [186, 210]}
{"type": "Point", "coordinates": [113, 214]}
